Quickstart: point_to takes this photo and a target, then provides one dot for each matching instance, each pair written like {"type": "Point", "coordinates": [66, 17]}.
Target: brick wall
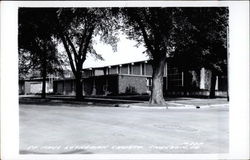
{"type": "Point", "coordinates": [132, 84]}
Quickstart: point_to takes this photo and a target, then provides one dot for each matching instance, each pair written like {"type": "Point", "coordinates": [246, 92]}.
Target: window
{"type": "Point", "coordinates": [142, 69]}
{"type": "Point", "coordinates": [175, 78]}
{"type": "Point", "coordinates": [149, 81]}
{"type": "Point", "coordinates": [129, 69]}
{"type": "Point", "coordinates": [149, 84]}
{"type": "Point", "coordinates": [107, 71]}
{"type": "Point", "coordinates": [118, 69]}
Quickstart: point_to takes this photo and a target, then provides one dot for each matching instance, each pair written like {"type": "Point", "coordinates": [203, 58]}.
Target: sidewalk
{"type": "Point", "coordinates": [126, 101]}
{"type": "Point", "coordinates": [173, 105]}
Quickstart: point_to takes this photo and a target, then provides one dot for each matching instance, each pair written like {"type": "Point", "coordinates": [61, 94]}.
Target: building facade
{"type": "Point", "coordinates": [34, 86]}
{"type": "Point", "coordinates": [136, 78]}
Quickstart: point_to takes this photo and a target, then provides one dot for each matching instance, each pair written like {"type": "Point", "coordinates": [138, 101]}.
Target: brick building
{"type": "Point", "coordinates": [136, 78]}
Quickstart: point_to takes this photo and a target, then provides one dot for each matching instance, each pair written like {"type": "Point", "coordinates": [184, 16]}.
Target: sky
{"type": "Point", "coordinates": [126, 52]}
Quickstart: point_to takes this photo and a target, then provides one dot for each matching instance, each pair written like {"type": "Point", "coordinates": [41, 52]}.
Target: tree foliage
{"type": "Point", "coordinates": [76, 28]}
{"type": "Point", "coordinates": [36, 44]}
{"type": "Point", "coordinates": [159, 30]}
{"type": "Point", "coordinates": [153, 27]}
{"type": "Point", "coordinates": [206, 42]}
{"type": "Point", "coordinates": [193, 37]}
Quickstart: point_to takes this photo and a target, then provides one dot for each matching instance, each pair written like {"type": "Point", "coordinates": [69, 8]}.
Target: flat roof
{"type": "Point", "coordinates": [115, 65]}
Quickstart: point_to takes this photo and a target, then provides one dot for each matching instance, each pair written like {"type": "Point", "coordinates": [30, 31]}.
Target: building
{"type": "Point", "coordinates": [136, 78]}
{"type": "Point", "coordinates": [34, 86]}
{"type": "Point", "coordinates": [32, 83]}
{"type": "Point", "coordinates": [129, 78]}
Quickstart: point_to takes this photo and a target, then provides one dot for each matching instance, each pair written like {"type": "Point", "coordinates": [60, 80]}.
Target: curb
{"type": "Point", "coordinates": [179, 106]}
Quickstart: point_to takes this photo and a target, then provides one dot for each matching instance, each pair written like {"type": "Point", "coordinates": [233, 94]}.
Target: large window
{"type": "Point", "coordinates": [130, 69]}
{"type": "Point", "coordinates": [175, 78]}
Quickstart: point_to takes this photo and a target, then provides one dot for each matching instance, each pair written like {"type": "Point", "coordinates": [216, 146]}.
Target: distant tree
{"type": "Point", "coordinates": [36, 46]}
{"type": "Point", "coordinates": [157, 29]}
{"type": "Point", "coordinates": [24, 64]}
{"type": "Point", "coordinates": [76, 28]}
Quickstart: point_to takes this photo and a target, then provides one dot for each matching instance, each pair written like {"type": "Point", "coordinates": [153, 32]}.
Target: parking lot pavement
{"type": "Point", "coordinates": [89, 130]}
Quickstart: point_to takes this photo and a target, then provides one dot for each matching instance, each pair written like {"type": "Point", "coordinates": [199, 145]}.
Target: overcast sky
{"type": "Point", "coordinates": [126, 52]}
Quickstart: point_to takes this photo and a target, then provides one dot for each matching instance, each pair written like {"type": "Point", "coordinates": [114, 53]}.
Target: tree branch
{"type": "Point", "coordinates": [82, 41]}
{"type": "Point", "coordinates": [73, 68]}
{"type": "Point", "coordinates": [73, 48]}
{"type": "Point", "coordinates": [69, 54]}
{"type": "Point", "coordinates": [67, 49]}
{"type": "Point", "coordinates": [154, 29]}
{"type": "Point", "coordinates": [145, 36]}
{"type": "Point", "coordinates": [86, 44]}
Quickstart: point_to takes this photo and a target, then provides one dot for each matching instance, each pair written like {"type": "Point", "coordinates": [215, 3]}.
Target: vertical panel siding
{"type": "Point", "coordinates": [149, 69]}
{"type": "Point", "coordinates": [124, 69]}
{"type": "Point", "coordinates": [136, 69]}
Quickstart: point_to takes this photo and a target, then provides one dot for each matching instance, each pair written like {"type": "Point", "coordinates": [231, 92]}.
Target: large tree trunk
{"type": "Point", "coordinates": [157, 82]}
{"type": "Point", "coordinates": [78, 86]}
{"type": "Point", "coordinates": [212, 86]}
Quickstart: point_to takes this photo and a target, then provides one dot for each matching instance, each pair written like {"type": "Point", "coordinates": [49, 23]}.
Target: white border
{"type": "Point", "coordinates": [239, 78]}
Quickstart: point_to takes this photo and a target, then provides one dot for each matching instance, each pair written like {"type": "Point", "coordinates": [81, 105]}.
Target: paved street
{"type": "Point", "coordinates": [84, 129]}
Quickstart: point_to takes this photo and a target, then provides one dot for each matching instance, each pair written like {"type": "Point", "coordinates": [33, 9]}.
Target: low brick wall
{"type": "Point", "coordinates": [132, 84]}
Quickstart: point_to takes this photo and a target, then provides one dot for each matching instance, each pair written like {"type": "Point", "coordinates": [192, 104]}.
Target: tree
{"type": "Point", "coordinates": [157, 29]}
{"type": "Point", "coordinates": [196, 35]}
{"type": "Point", "coordinates": [37, 48]}
{"type": "Point", "coordinates": [206, 42]}
{"type": "Point", "coordinates": [215, 46]}
{"type": "Point", "coordinates": [76, 28]}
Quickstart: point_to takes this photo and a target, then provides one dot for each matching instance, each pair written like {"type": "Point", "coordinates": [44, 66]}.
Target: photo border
{"type": "Point", "coordinates": [238, 78]}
